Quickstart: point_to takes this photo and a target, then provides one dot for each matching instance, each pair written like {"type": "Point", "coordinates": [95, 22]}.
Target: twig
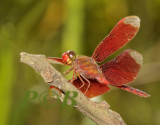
{"type": "Point", "coordinates": [99, 112]}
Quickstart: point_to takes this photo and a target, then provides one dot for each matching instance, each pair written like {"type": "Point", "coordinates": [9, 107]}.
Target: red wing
{"type": "Point", "coordinates": [122, 33]}
{"type": "Point", "coordinates": [95, 88]}
{"type": "Point", "coordinates": [55, 60]}
{"type": "Point", "coordinates": [123, 69]}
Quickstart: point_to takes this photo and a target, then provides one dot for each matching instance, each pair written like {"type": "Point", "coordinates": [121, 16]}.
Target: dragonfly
{"type": "Point", "coordinates": [93, 79]}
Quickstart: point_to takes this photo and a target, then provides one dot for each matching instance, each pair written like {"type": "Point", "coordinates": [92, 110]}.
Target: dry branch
{"type": "Point", "coordinates": [99, 112]}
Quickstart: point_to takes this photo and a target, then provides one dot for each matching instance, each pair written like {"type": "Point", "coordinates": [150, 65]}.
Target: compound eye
{"type": "Point", "coordinates": [68, 57]}
{"type": "Point", "coordinates": [72, 55]}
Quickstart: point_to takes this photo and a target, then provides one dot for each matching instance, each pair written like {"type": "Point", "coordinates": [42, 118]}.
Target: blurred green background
{"type": "Point", "coordinates": [51, 27]}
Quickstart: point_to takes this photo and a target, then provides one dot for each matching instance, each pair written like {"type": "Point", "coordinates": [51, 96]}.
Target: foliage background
{"type": "Point", "coordinates": [51, 27]}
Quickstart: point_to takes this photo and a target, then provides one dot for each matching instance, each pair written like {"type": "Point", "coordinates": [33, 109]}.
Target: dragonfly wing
{"type": "Point", "coordinates": [55, 60]}
{"type": "Point", "coordinates": [122, 33]}
{"type": "Point", "coordinates": [94, 89]}
{"type": "Point", "coordinates": [123, 69]}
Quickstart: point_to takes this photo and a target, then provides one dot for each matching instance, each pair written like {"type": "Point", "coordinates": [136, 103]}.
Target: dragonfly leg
{"type": "Point", "coordinates": [68, 71]}
{"type": "Point", "coordinates": [88, 83]}
{"type": "Point", "coordinates": [81, 81]}
{"type": "Point", "coordinates": [73, 77]}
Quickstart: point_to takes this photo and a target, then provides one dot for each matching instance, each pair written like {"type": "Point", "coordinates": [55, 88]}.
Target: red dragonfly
{"type": "Point", "coordinates": [93, 79]}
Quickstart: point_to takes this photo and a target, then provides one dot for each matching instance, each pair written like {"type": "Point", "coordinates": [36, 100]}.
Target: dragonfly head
{"type": "Point", "coordinates": [68, 57]}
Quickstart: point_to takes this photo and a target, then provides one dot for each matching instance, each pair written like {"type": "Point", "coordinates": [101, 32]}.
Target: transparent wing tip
{"type": "Point", "coordinates": [136, 56]}
{"type": "Point", "coordinates": [133, 20]}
